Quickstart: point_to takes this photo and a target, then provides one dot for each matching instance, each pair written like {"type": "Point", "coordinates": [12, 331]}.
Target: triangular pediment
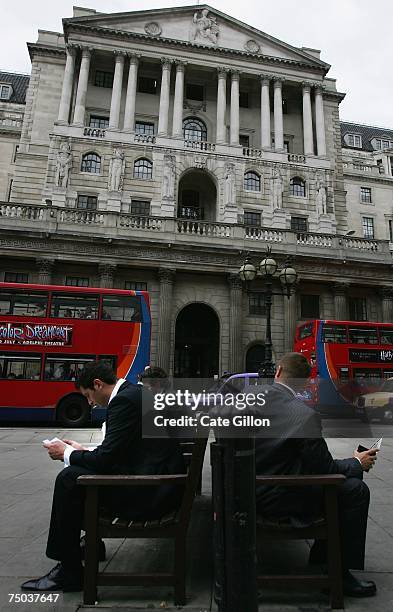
{"type": "Point", "coordinates": [199, 25]}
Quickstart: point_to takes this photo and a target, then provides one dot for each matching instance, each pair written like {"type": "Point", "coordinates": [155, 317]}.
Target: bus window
{"type": "Point", "coordinates": [121, 308]}
{"type": "Point", "coordinates": [386, 335]}
{"type": "Point", "coordinates": [362, 335]}
{"type": "Point", "coordinates": [110, 359]}
{"type": "Point", "coordinates": [388, 374]}
{"type": "Point", "coordinates": [344, 374]}
{"type": "Point", "coordinates": [65, 367]}
{"type": "Point", "coordinates": [336, 334]}
{"type": "Point", "coordinates": [23, 304]}
{"type": "Point", "coordinates": [367, 375]}
{"type": "Point", "coordinates": [306, 330]}
{"type": "Point", "coordinates": [19, 366]}
{"type": "Point", "coordinates": [74, 306]}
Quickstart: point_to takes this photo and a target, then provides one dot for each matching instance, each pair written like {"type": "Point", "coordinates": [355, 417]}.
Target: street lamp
{"type": "Point", "coordinates": [267, 270]}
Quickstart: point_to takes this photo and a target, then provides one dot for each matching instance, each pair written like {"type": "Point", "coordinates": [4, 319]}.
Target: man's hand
{"type": "Point", "coordinates": [367, 458]}
{"type": "Point", "coordinates": [75, 445]}
{"type": "Point", "coordinates": [56, 450]}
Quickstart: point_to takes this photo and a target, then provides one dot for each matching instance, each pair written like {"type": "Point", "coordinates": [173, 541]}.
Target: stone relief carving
{"type": "Point", "coordinates": [252, 46]}
{"type": "Point", "coordinates": [205, 27]}
{"type": "Point", "coordinates": [277, 187]}
{"type": "Point", "coordinates": [230, 186]}
{"type": "Point", "coordinates": [153, 28]}
{"type": "Point", "coordinates": [168, 177]}
{"type": "Point", "coordinates": [200, 162]}
{"type": "Point", "coordinates": [116, 170]}
{"type": "Point", "coordinates": [321, 196]}
{"type": "Point", "coordinates": [63, 164]}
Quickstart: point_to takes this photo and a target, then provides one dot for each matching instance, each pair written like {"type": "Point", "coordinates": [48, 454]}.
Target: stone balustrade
{"type": "Point", "coordinates": [361, 243]}
{"type": "Point", "coordinates": [319, 240]}
{"type": "Point", "coordinates": [296, 158]}
{"type": "Point", "coordinates": [264, 234]}
{"type": "Point", "coordinates": [362, 167]}
{"type": "Point", "coordinates": [154, 224]}
{"type": "Point", "coordinates": [255, 153]}
{"type": "Point", "coordinates": [145, 138]}
{"type": "Point", "coordinates": [204, 228]}
{"type": "Point", "coordinates": [94, 132]}
{"type": "Point", "coordinates": [199, 145]}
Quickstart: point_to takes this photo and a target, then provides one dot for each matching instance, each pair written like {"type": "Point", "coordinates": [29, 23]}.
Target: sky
{"type": "Point", "coordinates": [354, 37]}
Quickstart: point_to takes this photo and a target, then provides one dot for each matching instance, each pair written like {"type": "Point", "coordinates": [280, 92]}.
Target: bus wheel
{"type": "Point", "coordinates": [388, 416]}
{"type": "Point", "coordinates": [73, 411]}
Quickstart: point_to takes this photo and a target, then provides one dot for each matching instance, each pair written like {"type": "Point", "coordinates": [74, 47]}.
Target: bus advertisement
{"type": "Point", "coordinates": [48, 333]}
{"type": "Point", "coordinates": [348, 359]}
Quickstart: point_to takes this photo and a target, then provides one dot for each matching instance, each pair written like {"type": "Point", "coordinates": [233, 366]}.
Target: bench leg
{"type": "Point", "coordinates": [334, 551]}
{"type": "Point", "coordinates": [180, 570]}
{"type": "Point", "coordinates": [91, 547]}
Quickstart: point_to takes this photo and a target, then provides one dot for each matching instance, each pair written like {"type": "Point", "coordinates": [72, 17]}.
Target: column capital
{"type": "Point", "coordinates": [86, 51]}
{"type": "Point", "coordinates": [278, 80]}
{"type": "Point", "coordinates": [235, 282]}
{"type": "Point", "coordinates": [120, 55]}
{"type": "Point", "coordinates": [133, 57]}
{"type": "Point", "coordinates": [319, 87]}
{"type": "Point", "coordinates": [235, 74]}
{"type": "Point", "coordinates": [44, 264]}
{"type": "Point", "coordinates": [266, 77]}
{"type": "Point", "coordinates": [307, 85]}
{"type": "Point", "coordinates": [222, 72]}
{"type": "Point", "coordinates": [340, 287]}
{"type": "Point", "coordinates": [107, 268]}
{"type": "Point", "coordinates": [180, 65]}
{"type": "Point", "coordinates": [166, 275]}
{"type": "Point", "coordinates": [166, 63]}
{"type": "Point", "coordinates": [386, 293]}
{"type": "Point", "coordinates": [71, 49]}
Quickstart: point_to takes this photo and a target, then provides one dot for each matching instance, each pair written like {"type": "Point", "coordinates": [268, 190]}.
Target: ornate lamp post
{"type": "Point", "coordinates": [267, 270]}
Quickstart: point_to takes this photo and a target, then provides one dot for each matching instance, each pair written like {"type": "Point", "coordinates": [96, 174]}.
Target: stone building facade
{"type": "Point", "coordinates": [159, 147]}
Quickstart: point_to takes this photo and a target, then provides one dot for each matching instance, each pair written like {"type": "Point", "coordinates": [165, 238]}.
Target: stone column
{"type": "Point", "coordinates": [164, 97]}
{"type": "Point", "coordinates": [106, 272]}
{"type": "Point", "coordinates": [45, 270]}
{"type": "Point", "coordinates": [166, 277]}
{"type": "Point", "coordinates": [116, 91]}
{"type": "Point", "coordinates": [290, 320]}
{"type": "Point", "coordinates": [340, 301]}
{"type": "Point", "coordinates": [235, 323]}
{"type": "Point", "coordinates": [387, 305]}
{"type": "Point", "coordinates": [80, 104]}
{"type": "Point", "coordinates": [320, 122]}
{"type": "Point", "coordinates": [234, 129]}
{"type": "Point", "coordinates": [278, 116]}
{"type": "Point", "coordinates": [177, 126]}
{"type": "Point", "coordinates": [129, 113]}
{"type": "Point", "coordinates": [66, 92]}
{"type": "Point", "coordinates": [265, 112]}
{"type": "Point", "coordinates": [221, 104]}
{"type": "Point", "coordinates": [307, 121]}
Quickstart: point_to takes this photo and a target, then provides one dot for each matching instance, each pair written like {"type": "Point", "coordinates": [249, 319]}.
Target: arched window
{"type": "Point", "coordinates": [252, 181]}
{"type": "Point", "coordinates": [91, 162]}
{"type": "Point", "coordinates": [297, 187]}
{"type": "Point", "coordinates": [143, 168]}
{"type": "Point", "coordinates": [194, 129]}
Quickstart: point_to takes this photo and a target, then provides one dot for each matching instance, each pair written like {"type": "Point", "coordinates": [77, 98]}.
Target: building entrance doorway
{"type": "Point", "coordinates": [255, 357]}
{"type": "Point", "coordinates": [197, 341]}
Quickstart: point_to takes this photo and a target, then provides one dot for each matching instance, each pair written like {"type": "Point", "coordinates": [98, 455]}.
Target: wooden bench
{"type": "Point", "coordinates": [325, 528]}
{"type": "Point", "coordinates": [173, 526]}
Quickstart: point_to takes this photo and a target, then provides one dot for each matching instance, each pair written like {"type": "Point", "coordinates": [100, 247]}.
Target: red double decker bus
{"type": "Point", "coordinates": [348, 359]}
{"type": "Point", "coordinates": [48, 333]}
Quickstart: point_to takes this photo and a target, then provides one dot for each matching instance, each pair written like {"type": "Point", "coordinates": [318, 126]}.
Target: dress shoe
{"type": "Point", "coordinates": [55, 580]}
{"type": "Point", "coordinates": [357, 588]}
{"type": "Point", "coordinates": [101, 549]}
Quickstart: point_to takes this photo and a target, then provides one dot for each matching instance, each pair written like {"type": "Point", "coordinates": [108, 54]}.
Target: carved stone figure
{"type": "Point", "coordinates": [168, 177]}
{"type": "Point", "coordinates": [230, 186]}
{"type": "Point", "coordinates": [321, 198]}
{"type": "Point", "coordinates": [116, 170]}
{"type": "Point", "coordinates": [277, 189]}
{"type": "Point", "coordinates": [63, 164]}
{"type": "Point", "coordinates": [206, 26]}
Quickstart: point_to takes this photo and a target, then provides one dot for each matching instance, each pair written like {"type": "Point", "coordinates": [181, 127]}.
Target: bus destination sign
{"type": "Point", "coordinates": [43, 334]}
{"type": "Point", "coordinates": [371, 355]}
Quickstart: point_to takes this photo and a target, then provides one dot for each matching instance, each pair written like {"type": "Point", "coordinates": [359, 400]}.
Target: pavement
{"type": "Point", "coordinates": [26, 482]}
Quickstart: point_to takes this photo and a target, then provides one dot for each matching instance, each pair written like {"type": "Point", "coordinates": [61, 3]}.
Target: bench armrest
{"type": "Point", "coordinates": [303, 480]}
{"type": "Point", "coordinates": [127, 480]}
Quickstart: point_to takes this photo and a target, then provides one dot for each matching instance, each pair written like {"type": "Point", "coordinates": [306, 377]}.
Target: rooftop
{"type": "Point", "coordinates": [367, 132]}
{"type": "Point", "coordinates": [19, 82]}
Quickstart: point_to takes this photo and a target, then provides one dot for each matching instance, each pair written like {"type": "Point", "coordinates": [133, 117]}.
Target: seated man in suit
{"type": "Point", "coordinates": [123, 451]}
{"type": "Point", "coordinates": [302, 450]}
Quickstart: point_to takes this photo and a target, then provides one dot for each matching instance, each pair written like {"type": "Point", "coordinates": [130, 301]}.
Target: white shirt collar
{"type": "Point", "coordinates": [116, 388]}
{"type": "Point", "coordinates": [276, 382]}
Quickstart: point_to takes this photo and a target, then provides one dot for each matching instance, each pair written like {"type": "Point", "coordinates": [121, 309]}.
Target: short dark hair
{"type": "Point", "coordinates": [295, 365]}
{"type": "Point", "coordinates": [152, 372]}
{"type": "Point", "coordinates": [95, 369]}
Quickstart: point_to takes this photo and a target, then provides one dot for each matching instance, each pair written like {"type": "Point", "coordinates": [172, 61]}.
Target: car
{"type": "Point", "coordinates": [376, 405]}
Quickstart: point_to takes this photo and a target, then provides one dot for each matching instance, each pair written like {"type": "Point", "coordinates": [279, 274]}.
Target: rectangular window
{"type": "Point", "coordinates": [386, 335]}
{"type": "Point", "coordinates": [121, 308]}
{"type": "Point", "coordinates": [86, 202]}
{"type": "Point", "coordinates": [195, 92]}
{"type": "Point", "coordinates": [391, 231]}
{"type": "Point", "coordinates": [144, 127]}
{"type": "Point", "coordinates": [16, 277]}
{"type": "Point", "coordinates": [77, 281]}
{"type": "Point", "coordinates": [362, 335]}
{"type": "Point", "coordinates": [298, 224]}
{"type": "Point", "coordinates": [335, 334]}
{"type": "Point", "coordinates": [59, 368]}
{"type": "Point", "coordinates": [252, 218]}
{"type": "Point", "coordinates": [354, 140]}
{"type": "Point", "coordinates": [147, 85]}
{"type": "Point", "coordinates": [135, 286]}
{"type": "Point", "coordinates": [357, 308]}
{"type": "Point", "coordinates": [244, 99]}
{"type": "Point", "coordinates": [98, 122]}
{"type": "Point", "coordinates": [309, 306]}
{"type": "Point", "coordinates": [368, 227]}
{"type": "Point", "coordinates": [15, 153]}
{"type": "Point", "coordinates": [20, 366]}
{"type": "Point", "coordinates": [26, 304]}
{"type": "Point", "coordinates": [140, 207]}
{"type": "Point", "coordinates": [103, 79]}
{"type": "Point", "coordinates": [5, 92]}
{"type": "Point", "coordinates": [74, 306]}
{"type": "Point", "coordinates": [244, 140]}
{"type": "Point", "coordinates": [257, 304]}
{"type": "Point", "coordinates": [9, 190]}
{"type": "Point", "coordinates": [365, 194]}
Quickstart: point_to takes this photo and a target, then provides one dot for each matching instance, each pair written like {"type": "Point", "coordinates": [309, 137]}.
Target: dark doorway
{"type": "Point", "coordinates": [197, 342]}
{"type": "Point", "coordinates": [255, 357]}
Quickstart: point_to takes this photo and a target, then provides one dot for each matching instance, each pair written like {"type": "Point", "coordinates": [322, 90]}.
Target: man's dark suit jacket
{"type": "Point", "coordinates": [124, 451]}
{"type": "Point", "coordinates": [300, 450]}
